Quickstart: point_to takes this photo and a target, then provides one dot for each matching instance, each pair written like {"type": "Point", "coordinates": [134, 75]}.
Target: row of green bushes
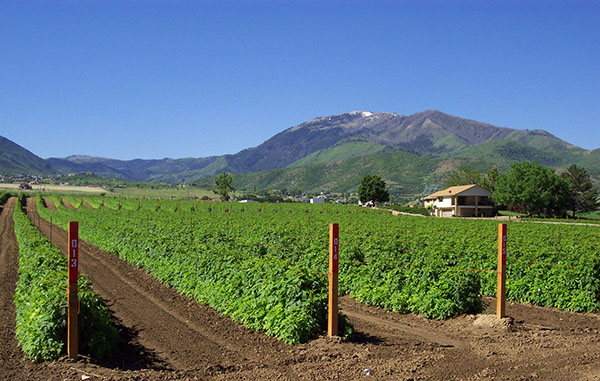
{"type": "Point", "coordinates": [425, 286]}
{"type": "Point", "coordinates": [569, 220]}
{"type": "Point", "coordinates": [435, 267]}
{"type": "Point", "coordinates": [262, 290]}
{"type": "Point", "coordinates": [41, 303]}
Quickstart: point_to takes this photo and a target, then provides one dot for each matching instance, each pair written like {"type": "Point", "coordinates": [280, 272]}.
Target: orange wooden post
{"type": "Point", "coordinates": [332, 321]}
{"type": "Point", "coordinates": [73, 302]}
{"type": "Point", "coordinates": [501, 290]}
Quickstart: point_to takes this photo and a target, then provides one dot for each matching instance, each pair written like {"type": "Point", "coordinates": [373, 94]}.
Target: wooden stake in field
{"type": "Point", "coordinates": [334, 245]}
{"type": "Point", "coordinates": [501, 290]}
{"type": "Point", "coordinates": [73, 301]}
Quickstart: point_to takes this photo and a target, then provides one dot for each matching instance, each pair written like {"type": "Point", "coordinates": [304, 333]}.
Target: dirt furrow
{"type": "Point", "coordinates": [181, 333]}
{"type": "Point", "coordinates": [13, 365]}
{"type": "Point", "coordinates": [9, 351]}
{"type": "Point", "coordinates": [422, 334]}
{"type": "Point", "coordinates": [87, 205]}
{"type": "Point", "coordinates": [67, 204]}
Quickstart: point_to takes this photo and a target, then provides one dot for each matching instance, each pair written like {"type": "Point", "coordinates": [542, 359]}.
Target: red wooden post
{"type": "Point", "coordinates": [332, 321]}
{"type": "Point", "coordinates": [73, 302]}
{"type": "Point", "coordinates": [501, 290]}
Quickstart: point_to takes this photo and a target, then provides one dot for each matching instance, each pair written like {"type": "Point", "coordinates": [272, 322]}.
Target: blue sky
{"type": "Point", "coordinates": [154, 79]}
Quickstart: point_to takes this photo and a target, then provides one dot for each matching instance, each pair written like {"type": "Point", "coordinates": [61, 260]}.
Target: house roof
{"type": "Point", "coordinates": [456, 190]}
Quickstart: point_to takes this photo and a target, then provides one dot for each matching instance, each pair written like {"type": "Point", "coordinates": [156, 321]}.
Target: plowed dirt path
{"type": "Point", "coordinates": [168, 336]}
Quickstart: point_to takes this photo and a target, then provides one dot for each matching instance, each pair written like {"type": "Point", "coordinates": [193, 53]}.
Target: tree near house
{"type": "Point", "coordinates": [489, 181]}
{"type": "Point", "coordinates": [372, 188]}
{"type": "Point", "coordinates": [223, 182]}
{"type": "Point", "coordinates": [464, 176]}
{"type": "Point", "coordinates": [469, 175]}
{"type": "Point", "coordinates": [584, 197]}
{"type": "Point", "coordinates": [533, 189]}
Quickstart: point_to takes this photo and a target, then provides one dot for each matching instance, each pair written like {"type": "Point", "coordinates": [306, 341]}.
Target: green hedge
{"type": "Point", "coordinates": [262, 290]}
{"type": "Point", "coordinates": [41, 303]}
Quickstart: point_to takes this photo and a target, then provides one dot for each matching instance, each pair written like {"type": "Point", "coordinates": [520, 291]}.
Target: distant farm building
{"type": "Point", "coordinates": [461, 201]}
{"type": "Point", "coordinates": [317, 200]}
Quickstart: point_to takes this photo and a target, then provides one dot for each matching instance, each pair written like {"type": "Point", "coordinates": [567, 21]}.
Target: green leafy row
{"type": "Point", "coordinates": [408, 209]}
{"type": "Point", "coordinates": [566, 220]}
{"type": "Point", "coordinates": [435, 267]}
{"type": "Point", "coordinates": [547, 265]}
{"type": "Point", "coordinates": [294, 233]}
{"type": "Point", "coordinates": [265, 292]}
{"type": "Point", "coordinates": [41, 304]}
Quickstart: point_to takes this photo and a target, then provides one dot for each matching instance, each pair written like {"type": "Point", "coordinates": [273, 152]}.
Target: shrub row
{"type": "Point", "coordinates": [436, 267]}
{"type": "Point", "coordinates": [263, 291]}
{"type": "Point", "coordinates": [41, 304]}
{"type": "Point", "coordinates": [375, 268]}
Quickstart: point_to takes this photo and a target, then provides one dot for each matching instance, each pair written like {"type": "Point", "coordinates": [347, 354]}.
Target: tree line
{"type": "Point", "coordinates": [529, 187]}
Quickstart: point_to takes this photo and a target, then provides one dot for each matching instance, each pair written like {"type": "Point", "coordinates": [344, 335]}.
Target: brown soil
{"type": "Point", "coordinates": [50, 204]}
{"type": "Point", "coordinates": [168, 336]}
{"type": "Point", "coordinates": [68, 204]}
{"type": "Point", "coordinates": [87, 205]}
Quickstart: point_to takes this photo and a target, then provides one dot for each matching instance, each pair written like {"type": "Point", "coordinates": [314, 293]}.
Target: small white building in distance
{"type": "Point", "coordinates": [317, 200]}
{"type": "Point", "coordinates": [461, 201]}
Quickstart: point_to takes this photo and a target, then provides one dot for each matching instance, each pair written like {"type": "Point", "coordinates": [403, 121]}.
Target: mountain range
{"type": "Point", "coordinates": [413, 153]}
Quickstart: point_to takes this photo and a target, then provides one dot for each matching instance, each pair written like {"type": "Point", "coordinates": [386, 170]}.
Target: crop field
{"type": "Point", "coordinates": [226, 290]}
{"type": "Point", "coordinates": [83, 190]}
{"type": "Point", "coordinates": [591, 219]}
{"type": "Point", "coordinates": [265, 265]}
{"type": "Point", "coordinates": [162, 192]}
{"type": "Point", "coordinates": [40, 290]}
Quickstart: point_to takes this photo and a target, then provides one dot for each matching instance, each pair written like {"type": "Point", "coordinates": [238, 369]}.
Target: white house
{"type": "Point", "coordinates": [461, 201]}
{"type": "Point", "coordinates": [366, 204]}
{"type": "Point", "coordinates": [317, 200]}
